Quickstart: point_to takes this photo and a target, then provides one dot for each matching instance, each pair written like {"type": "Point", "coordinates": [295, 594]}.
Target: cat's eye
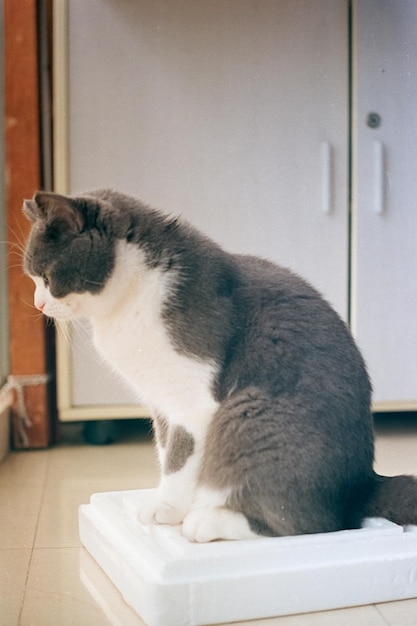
{"type": "Point", "coordinates": [45, 279]}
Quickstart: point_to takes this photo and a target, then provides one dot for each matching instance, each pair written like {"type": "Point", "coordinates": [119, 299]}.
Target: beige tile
{"type": "Point", "coordinates": [402, 613]}
{"type": "Point", "coordinates": [42, 490]}
{"type": "Point", "coordinates": [56, 593]}
{"type": "Point", "coordinates": [14, 565]}
{"type": "Point", "coordinates": [74, 474]}
{"type": "Point", "coordinates": [58, 519]}
{"type": "Point", "coordinates": [19, 513]}
{"type": "Point", "coordinates": [357, 616]}
{"type": "Point", "coordinates": [22, 480]}
{"type": "Point", "coordinates": [131, 464]}
{"type": "Point", "coordinates": [24, 468]}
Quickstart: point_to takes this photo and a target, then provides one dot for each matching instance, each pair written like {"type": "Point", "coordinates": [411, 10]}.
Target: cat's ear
{"type": "Point", "coordinates": [31, 210]}
{"type": "Point", "coordinates": [60, 213]}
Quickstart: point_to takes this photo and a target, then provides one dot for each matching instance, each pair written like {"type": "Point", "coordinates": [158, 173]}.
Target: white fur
{"type": "Point", "coordinates": [209, 524]}
{"type": "Point", "coordinates": [210, 519]}
{"type": "Point", "coordinates": [129, 332]}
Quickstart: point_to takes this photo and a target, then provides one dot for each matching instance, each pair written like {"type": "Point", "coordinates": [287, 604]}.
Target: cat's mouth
{"type": "Point", "coordinates": [58, 317]}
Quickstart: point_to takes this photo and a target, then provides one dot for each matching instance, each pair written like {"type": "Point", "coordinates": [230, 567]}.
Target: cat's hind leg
{"type": "Point", "coordinates": [211, 518]}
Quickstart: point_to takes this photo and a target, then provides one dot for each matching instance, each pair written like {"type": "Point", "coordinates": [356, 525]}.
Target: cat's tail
{"type": "Point", "coordinates": [395, 498]}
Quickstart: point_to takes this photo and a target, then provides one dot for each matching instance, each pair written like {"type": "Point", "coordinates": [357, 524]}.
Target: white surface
{"type": "Point", "coordinates": [384, 288]}
{"type": "Point", "coordinates": [219, 111]}
{"type": "Point", "coordinates": [168, 580]}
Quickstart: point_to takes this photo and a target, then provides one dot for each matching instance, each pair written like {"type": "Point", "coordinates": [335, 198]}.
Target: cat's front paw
{"type": "Point", "coordinates": [158, 512]}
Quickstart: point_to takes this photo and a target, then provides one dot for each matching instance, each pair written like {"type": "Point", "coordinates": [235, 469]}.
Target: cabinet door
{"type": "Point", "coordinates": [384, 299]}
{"type": "Point", "coordinates": [231, 112]}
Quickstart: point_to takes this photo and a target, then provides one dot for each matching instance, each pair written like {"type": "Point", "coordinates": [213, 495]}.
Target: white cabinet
{"type": "Point", "coordinates": [236, 114]}
{"type": "Point", "coordinates": [233, 113]}
{"type": "Point", "coordinates": [384, 237]}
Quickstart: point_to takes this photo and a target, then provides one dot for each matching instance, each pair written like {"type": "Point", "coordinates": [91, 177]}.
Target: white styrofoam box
{"type": "Point", "coordinates": [170, 581]}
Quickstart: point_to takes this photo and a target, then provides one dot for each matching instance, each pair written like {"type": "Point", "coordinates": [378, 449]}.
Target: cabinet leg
{"type": "Point", "coordinates": [100, 432]}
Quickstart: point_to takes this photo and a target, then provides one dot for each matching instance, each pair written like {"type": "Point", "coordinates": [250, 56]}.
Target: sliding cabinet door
{"type": "Point", "coordinates": [233, 113]}
{"type": "Point", "coordinates": [385, 196]}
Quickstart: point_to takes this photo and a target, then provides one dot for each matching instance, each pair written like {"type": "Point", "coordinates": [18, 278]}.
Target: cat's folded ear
{"type": "Point", "coordinates": [60, 213]}
{"type": "Point", "coordinates": [31, 210]}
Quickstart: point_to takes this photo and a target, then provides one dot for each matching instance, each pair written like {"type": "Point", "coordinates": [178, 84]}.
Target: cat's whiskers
{"type": "Point", "coordinates": [34, 313]}
{"type": "Point", "coordinates": [14, 249]}
{"type": "Point", "coordinates": [20, 236]}
{"type": "Point", "coordinates": [15, 252]}
{"type": "Point", "coordinates": [12, 245]}
{"type": "Point", "coordinates": [18, 246]}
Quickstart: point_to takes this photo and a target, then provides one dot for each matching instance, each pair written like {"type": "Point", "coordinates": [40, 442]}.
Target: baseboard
{"type": "Point", "coordinates": [6, 399]}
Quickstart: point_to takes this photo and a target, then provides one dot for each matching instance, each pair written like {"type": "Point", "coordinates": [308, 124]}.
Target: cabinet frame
{"type": "Point", "coordinates": [67, 410]}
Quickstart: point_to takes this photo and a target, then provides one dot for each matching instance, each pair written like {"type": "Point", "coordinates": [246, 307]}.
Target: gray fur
{"type": "Point", "coordinates": [293, 438]}
{"type": "Point", "coordinates": [180, 447]}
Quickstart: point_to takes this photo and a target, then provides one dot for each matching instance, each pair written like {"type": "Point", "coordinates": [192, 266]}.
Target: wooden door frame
{"type": "Point", "coordinates": [31, 365]}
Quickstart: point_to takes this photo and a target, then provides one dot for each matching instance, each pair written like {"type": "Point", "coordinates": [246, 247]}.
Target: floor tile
{"type": "Point", "coordinates": [133, 461]}
{"type": "Point", "coordinates": [40, 492]}
{"type": "Point", "coordinates": [19, 514]}
{"type": "Point", "coordinates": [56, 595]}
{"type": "Point", "coordinates": [22, 481]}
{"type": "Point", "coordinates": [402, 613]}
{"type": "Point", "coordinates": [14, 565]}
{"type": "Point", "coordinates": [357, 616]}
{"type": "Point", "coordinates": [74, 474]}
{"type": "Point", "coordinates": [24, 468]}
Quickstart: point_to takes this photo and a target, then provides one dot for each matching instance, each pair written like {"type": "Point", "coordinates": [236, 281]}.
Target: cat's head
{"type": "Point", "coordinates": [70, 252]}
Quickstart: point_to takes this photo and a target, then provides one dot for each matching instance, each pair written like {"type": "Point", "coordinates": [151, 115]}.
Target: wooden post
{"type": "Point", "coordinates": [28, 354]}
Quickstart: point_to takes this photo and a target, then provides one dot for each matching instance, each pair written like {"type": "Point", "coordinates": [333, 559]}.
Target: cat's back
{"type": "Point", "coordinates": [262, 280]}
{"type": "Point", "coordinates": [288, 337]}
{"type": "Point", "coordinates": [275, 296]}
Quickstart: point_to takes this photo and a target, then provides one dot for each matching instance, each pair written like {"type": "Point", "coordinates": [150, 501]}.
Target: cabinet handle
{"type": "Point", "coordinates": [326, 177]}
{"type": "Point", "coordinates": [378, 156]}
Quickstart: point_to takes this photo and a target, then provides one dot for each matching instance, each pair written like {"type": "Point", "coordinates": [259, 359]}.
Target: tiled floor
{"type": "Point", "coordinates": [47, 579]}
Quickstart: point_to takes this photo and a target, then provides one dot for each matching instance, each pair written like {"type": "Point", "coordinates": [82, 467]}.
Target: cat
{"type": "Point", "coordinates": [259, 395]}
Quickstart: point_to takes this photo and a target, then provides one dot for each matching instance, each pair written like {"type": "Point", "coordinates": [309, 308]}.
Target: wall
{"type": "Point", "coordinates": [4, 361]}
{"type": "Point", "coordinates": [3, 272]}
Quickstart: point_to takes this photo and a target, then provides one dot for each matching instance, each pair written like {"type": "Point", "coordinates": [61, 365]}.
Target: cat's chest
{"type": "Point", "coordinates": [137, 344]}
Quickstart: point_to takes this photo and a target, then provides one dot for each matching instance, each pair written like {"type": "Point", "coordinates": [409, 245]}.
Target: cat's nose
{"type": "Point", "coordinates": [40, 306]}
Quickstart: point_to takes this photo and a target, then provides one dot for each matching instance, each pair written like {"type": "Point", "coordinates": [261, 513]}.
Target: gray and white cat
{"type": "Point", "coordinates": [260, 398]}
